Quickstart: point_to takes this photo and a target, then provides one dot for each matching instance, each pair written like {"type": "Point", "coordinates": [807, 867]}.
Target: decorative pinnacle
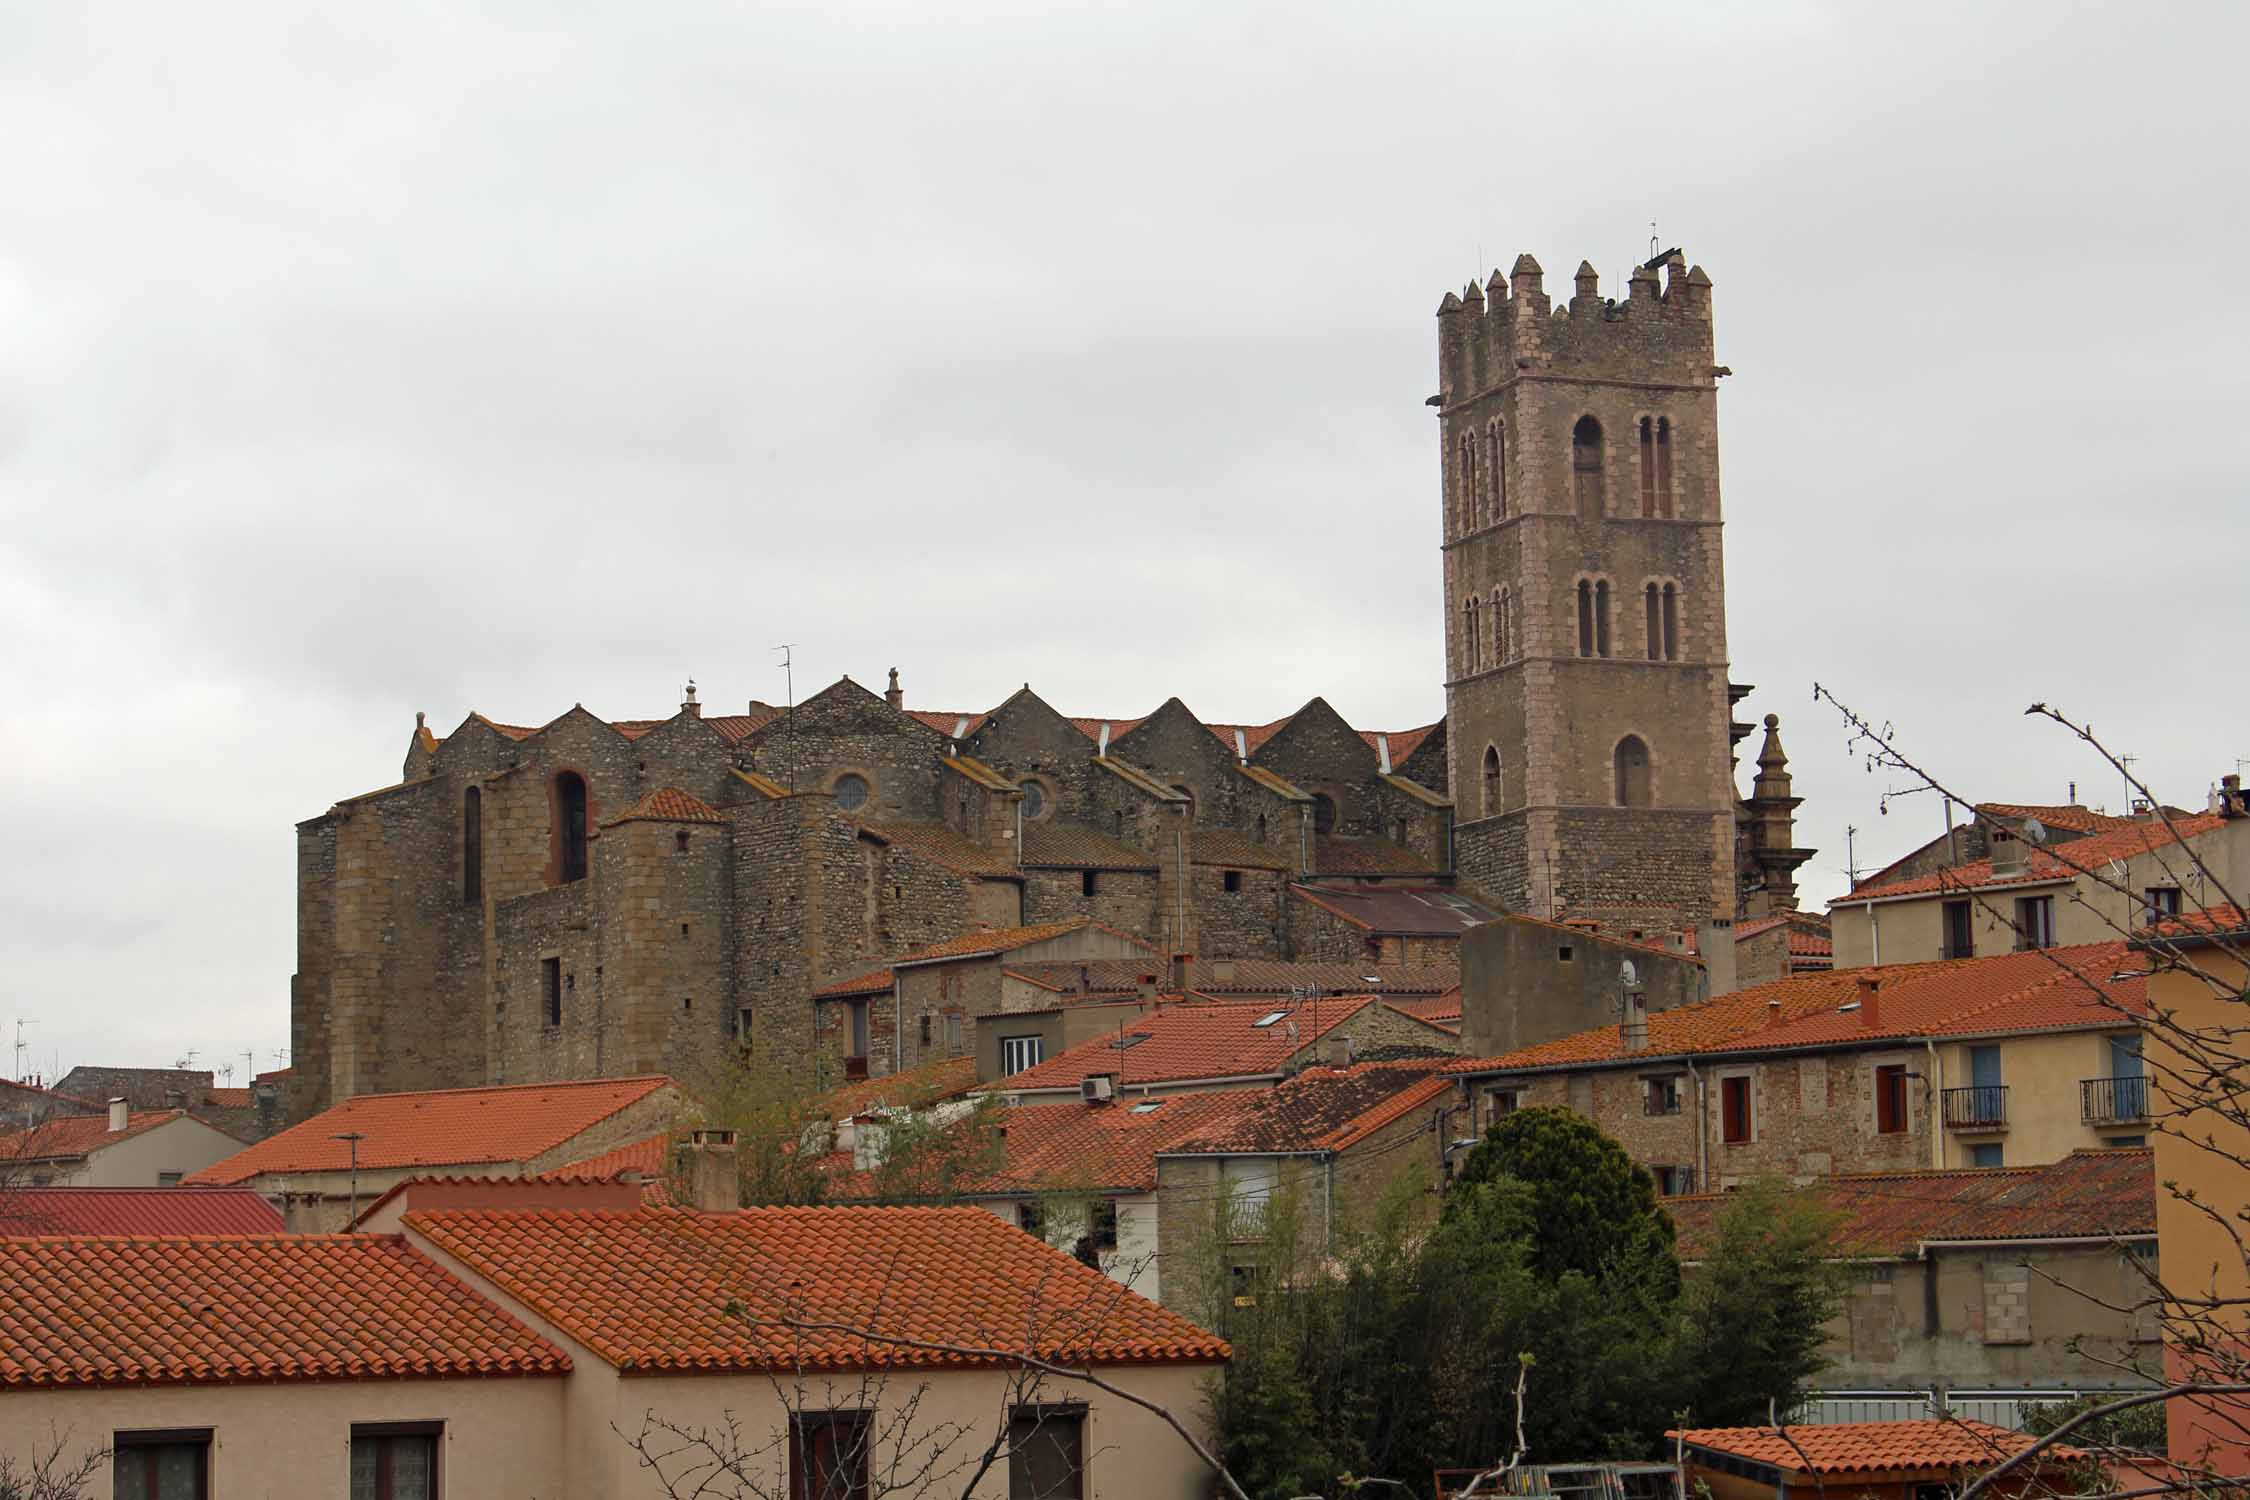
{"type": "Point", "coordinates": [1452, 303]}
{"type": "Point", "coordinates": [1526, 266]}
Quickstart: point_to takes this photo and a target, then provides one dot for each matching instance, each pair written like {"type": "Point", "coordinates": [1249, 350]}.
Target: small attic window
{"type": "Point", "coordinates": [1148, 1106]}
{"type": "Point", "coordinates": [679, 842]}
{"type": "Point", "coordinates": [1269, 1018]}
{"type": "Point", "coordinates": [1847, 1005]}
{"type": "Point", "coordinates": [1232, 880]}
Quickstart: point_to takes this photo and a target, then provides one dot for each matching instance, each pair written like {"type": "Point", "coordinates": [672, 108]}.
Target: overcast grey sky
{"type": "Point", "coordinates": [400, 357]}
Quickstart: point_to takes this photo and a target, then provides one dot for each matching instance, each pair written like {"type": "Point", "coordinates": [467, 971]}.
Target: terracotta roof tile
{"type": "Point", "coordinates": [2028, 991]}
{"type": "Point", "coordinates": [1224, 846]}
{"type": "Point", "coordinates": [951, 725]}
{"type": "Point", "coordinates": [1181, 1043]}
{"type": "Point", "coordinates": [2062, 862]}
{"type": "Point", "coordinates": [1082, 1147]}
{"type": "Point", "coordinates": [735, 728]}
{"type": "Point", "coordinates": [1366, 856]}
{"type": "Point", "coordinates": [1320, 1109]}
{"type": "Point", "coordinates": [197, 1311]}
{"type": "Point", "coordinates": [978, 772]}
{"type": "Point", "coordinates": [646, 1156]}
{"type": "Point", "coordinates": [1410, 911]}
{"type": "Point", "coordinates": [1000, 940]}
{"type": "Point", "coordinates": [1074, 846]}
{"type": "Point", "coordinates": [66, 1137]}
{"type": "Point", "coordinates": [135, 1210]}
{"type": "Point", "coordinates": [2068, 816]}
{"type": "Point", "coordinates": [668, 804]}
{"type": "Point", "coordinates": [946, 848]}
{"type": "Point", "coordinates": [873, 982]}
{"type": "Point", "coordinates": [442, 1128]}
{"type": "Point", "coordinates": [672, 1290]}
{"type": "Point", "coordinates": [1404, 742]}
{"type": "Point", "coordinates": [1893, 1213]}
{"type": "Point", "coordinates": [1856, 1447]}
{"type": "Point", "coordinates": [916, 1088]}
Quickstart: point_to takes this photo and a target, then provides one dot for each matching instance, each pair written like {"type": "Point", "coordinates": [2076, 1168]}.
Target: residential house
{"type": "Point", "coordinates": [1973, 1291]}
{"type": "Point", "coordinates": [2017, 1059]}
{"type": "Point", "coordinates": [1775, 946]}
{"type": "Point", "coordinates": [498, 1348]}
{"type": "Point", "coordinates": [250, 1113]}
{"type": "Point", "coordinates": [1176, 1048]}
{"type": "Point", "coordinates": [321, 1170]}
{"type": "Point", "coordinates": [1868, 1461]}
{"type": "Point", "coordinates": [135, 1210]}
{"type": "Point", "coordinates": [117, 1148]}
{"type": "Point", "coordinates": [919, 1007]}
{"type": "Point", "coordinates": [2026, 894]}
{"type": "Point", "coordinates": [2200, 980]}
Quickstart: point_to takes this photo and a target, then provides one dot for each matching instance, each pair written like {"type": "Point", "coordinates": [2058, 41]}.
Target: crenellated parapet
{"type": "Point", "coordinates": [1509, 327]}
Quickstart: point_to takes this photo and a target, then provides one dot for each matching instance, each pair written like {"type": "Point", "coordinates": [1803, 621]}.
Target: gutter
{"type": "Point", "coordinates": [1924, 1247]}
{"type": "Point", "coordinates": [1702, 1117]}
{"type": "Point", "coordinates": [1870, 902]}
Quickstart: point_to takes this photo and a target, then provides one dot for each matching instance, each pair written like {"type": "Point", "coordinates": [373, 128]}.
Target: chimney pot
{"type": "Point", "coordinates": [119, 1113]}
{"type": "Point", "coordinates": [1870, 1003]}
{"type": "Point", "coordinates": [1339, 1052]}
{"type": "Point", "coordinates": [713, 1181]}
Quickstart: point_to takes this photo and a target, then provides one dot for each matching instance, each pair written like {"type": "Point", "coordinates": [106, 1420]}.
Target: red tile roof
{"type": "Point", "coordinates": [672, 1290]}
{"type": "Point", "coordinates": [1894, 1213]}
{"type": "Point", "coordinates": [1074, 846]}
{"type": "Point", "coordinates": [873, 982]}
{"type": "Point", "coordinates": [1320, 1109]}
{"type": "Point", "coordinates": [1366, 856]}
{"type": "Point", "coordinates": [442, 1128]}
{"type": "Point", "coordinates": [668, 804]}
{"type": "Point", "coordinates": [227, 1098]}
{"type": "Point", "coordinates": [916, 1088]}
{"type": "Point", "coordinates": [1236, 977]}
{"type": "Point", "coordinates": [2029, 991]}
{"type": "Point", "coordinates": [1223, 846]}
{"type": "Point", "coordinates": [198, 1311]}
{"type": "Point", "coordinates": [1000, 940]}
{"type": "Point", "coordinates": [646, 1156]}
{"type": "Point", "coordinates": [135, 1210]}
{"type": "Point", "coordinates": [1864, 1447]}
{"type": "Point", "coordinates": [1404, 911]}
{"type": "Point", "coordinates": [2070, 816]}
{"type": "Point", "coordinates": [1080, 1147]}
{"type": "Point", "coordinates": [1180, 1043]}
{"type": "Point", "coordinates": [2061, 862]}
{"type": "Point", "coordinates": [944, 847]}
{"type": "Point", "coordinates": [67, 1137]}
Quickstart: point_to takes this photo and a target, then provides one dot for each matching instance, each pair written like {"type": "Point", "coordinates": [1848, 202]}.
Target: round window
{"type": "Point", "coordinates": [1034, 800]}
{"type": "Point", "coordinates": [851, 791]}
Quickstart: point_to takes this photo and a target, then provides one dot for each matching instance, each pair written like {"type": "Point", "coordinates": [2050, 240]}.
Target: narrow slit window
{"type": "Point", "coordinates": [1491, 780]}
{"type": "Point", "coordinates": [1585, 618]}
{"type": "Point", "coordinates": [1664, 466]}
{"type": "Point", "coordinates": [1586, 468]}
{"type": "Point", "coordinates": [570, 826]}
{"type": "Point", "coordinates": [1671, 622]}
{"type": "Point", "coordinates": [1503, 628]}
{"type": "Point", "coordinates": [1469, 633]}
{"type": "Point", "coordinates": [1601, 619]}
{"type": "Point", "coordinates": [1499, 471]}
{"type": "Point", "coordinates": [1648, 466]}
{"type": "Point", "coordinates": [472, 847]}
{"type": "Point", "coordinates": [550, 975]}
{"type": "Point", "coordinates": [1655, 623]}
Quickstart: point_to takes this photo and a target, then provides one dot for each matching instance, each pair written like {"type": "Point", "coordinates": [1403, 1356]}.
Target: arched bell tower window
{"type": "Point", "coordinates": [1497, 465]}
{"type": "Point", "coordinates": [1471, 644]}
{"type": "Point", "coordinates": [1664, 466]}
{"type": "Point", "coordinates": [1586, 467]}
{"type": "Point", "coordinates": [570, 826]}
{"type": "Point", "coordinates": [1491, 780]}
{"type": "Point", "coordinates": [1671, 613]}
{"type": "Point", "coordinates": [1601, 618]}
{"type": "Point", "coordinates": [472, 846]}
{"type": "Point", "coordinates": [1631, 766]}
{"type": "Point", "coordinates": [1585, 618]}
{"type": "Point", "coordinates": [1503, 627]}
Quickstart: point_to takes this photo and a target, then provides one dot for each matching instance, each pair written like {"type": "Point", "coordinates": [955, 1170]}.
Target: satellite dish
{"type": "Point", "coordinates": [2034, 831]}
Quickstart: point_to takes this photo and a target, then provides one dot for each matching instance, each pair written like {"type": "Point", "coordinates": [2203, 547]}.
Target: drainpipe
{"type": "Point", "coordinates": [1937, 1098]}
{"type": "Point", "coordinates": [1875, 932]}
{"type": "Point", "coordinates": [1695, 1082]}
{"type": "Point", "coordinates": [898, 1027]}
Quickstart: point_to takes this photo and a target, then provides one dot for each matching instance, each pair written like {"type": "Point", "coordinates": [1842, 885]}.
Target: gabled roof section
{"type": "Point", "coordinates": [1003, 940]}
{"type": "Point", "coordinates": [1316, 733]}
{"type": "Point", "coordinates": [946, 847]}
{"type": "Point", "coordinates": [945, 721]}
{"type": "Point", "coordinates": [1074, 846]}
{"type": "Point", "coordinates": [1186, 1043]}
{"type": "Point", "coordinates": [674, 1291]}
{"type": "Point", "coordinates": [1401, 742]}
{"type": "Point", "coordinates": [2086, 1194]}
{"type": "Point", "coordinates": [69, 1137]}
{"type": "Point", "coordinates": [1139, 780]}
{"type": "Point", "coordinates": [978, 772]}
{"type": "Point", "coordinates": [917, 1088]}
{"type": "Point", "coordinates": [1074, 1146]}
{"type": "Point", "coordinates": [1950, 1444]}
{"type": "Point", "coordinates": [135, 1311]}
{"type": "Point", "coordinates": [667, 804]}
{"type": "Point", "coordinates": [2062, 862]}
{"type": "Point", "coordinates": [2008, 992]}
{"type": "Point", "coordinates": [2069, 816]}
{"type": "Point", "coordinates": [1320, 1109]}
{"type": "Point", "coordinates": [1277, 784]}
{"type": "Point", "coordinates": [135, 1211]}
{"type": "Point", "coordinates": [1417, 791]}
{"type": "Point", "coordinates": [1224, 846]}
{"type": "Point", "coordinates": [440, 1128]}
{"type": "Point", "coordinates": [758, 783]}
{"type": "Point", "coordinates": [873, 982]}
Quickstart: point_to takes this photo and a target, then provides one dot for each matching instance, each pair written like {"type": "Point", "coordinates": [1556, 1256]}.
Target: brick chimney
{"type": "Point", "coordinates": [119, 1113]}
{"type": "Point", "coordinates": [1773, 1014]}
{"type": "Point", "coordinates": [1180, 965]}
{"type": "Point", "coordinates": [1339, 1052]}
{"type": "Point", "coordinates": [895, 695]}
{"type": "Point", "coordinates": [2228, 803]}
{"type": "Point", "coordinates": [1870, 1003]}
{"type": "Point", "coordinates": [2008, 853]}
{"type": "Point", "coordinates": [713, 1180]}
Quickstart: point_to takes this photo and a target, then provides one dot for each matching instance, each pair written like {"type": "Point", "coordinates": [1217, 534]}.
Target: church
{"type": "Point", "coordinates": [607, 897]}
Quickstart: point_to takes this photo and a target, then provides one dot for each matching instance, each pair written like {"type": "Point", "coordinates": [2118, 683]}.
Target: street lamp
{"type": "Point", "coordinates": [354, 1137]}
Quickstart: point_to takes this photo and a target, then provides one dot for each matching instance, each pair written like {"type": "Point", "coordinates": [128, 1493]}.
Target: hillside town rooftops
{"type": "Point", "coordinates": [1185, 1043]}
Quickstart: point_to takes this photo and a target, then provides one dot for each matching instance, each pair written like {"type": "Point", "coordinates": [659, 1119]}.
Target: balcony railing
{"type": "Point", "coordinates": [2113, 1101]}
{"type": "Point", "coordinates": [1981, 1106]}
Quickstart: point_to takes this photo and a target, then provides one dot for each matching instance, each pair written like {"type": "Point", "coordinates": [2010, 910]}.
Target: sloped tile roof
{"type": "Point", "coordinates": [758, 782]}
{"type": "Point", "coordinates": [873, 982]}
{"type": "Point", "coordinates": [1404, 742]}
{"type": "Point", "coordinates": [672, 1290]}
{"type": "Point", "coordinates": [1242, 976]}
{"type": "Point", "coordinates": [951, 725]}
{"type": "Point", "coordinates": [1365, 856]}
{"type": "Point", "coordinates": [1279, 785]}
{"type": "Point", "coordinates": [1224, 846]}
{"type": "Point", "coordinates": [1406, 911]}
{"type": "Point", "coordinates": [2043, 864]}
{"type": "Point", "coordinates": [2070, 816]}
{"type": "Point", "coordinates": [200, 1311]}
{"type": "Point", "coordinates": [1001, 940]}
{"type": "Point", "coordinates": [735, 728]}
{"type": "Point", "coordinates": [645, 1156]}
{"type": "Point", "coordinates": [67, 1137]}
{"type": "Point", "coordinates": [1138, 779]}
{"type": "Point", "coordinates": [441, 1128]}
{"type": "Point", "coordinates": [135, 1210]}
{"type": "Point", "coordinates": [1862, 1447]}
{"type": "Point", "coordinates": [945, 847]}
{"type": "Point", "coordinates": [1079, 1147]}
{"type": "Point", "coordinates": [920, 1086]}
{"type": "Point", "coordinates": [1893, 1213]}
{"type": "Point", "coordinates": [978, 772]}
{"type": "Point", "coordinates": [668, 804]}
{"type": "Point", "coordinates": [1320, 1109]}
{"type": "Point", "coordinates": [2028, 991]}
{"type": "Point", "coordinates": [1074, 846]}
{"type": "Point", "coordinates": [1180, 1043]}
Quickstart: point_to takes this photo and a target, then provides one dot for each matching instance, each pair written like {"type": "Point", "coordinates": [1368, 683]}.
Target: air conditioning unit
{"type": "Point", "coordinates": [1097, 1088]}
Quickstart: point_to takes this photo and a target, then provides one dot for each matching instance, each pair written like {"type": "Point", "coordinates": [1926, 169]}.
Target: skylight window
{"type": "Point", "coordinates": [1269, 1018]}
{"type": "Point", "coordinates": [1133, 1040]}
{"type": "Point", "coordinates": [1148, 1106]}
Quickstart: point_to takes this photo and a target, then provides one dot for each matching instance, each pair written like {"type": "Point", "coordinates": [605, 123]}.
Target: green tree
{"type": "Point", "coordinates": [779, 1119]}
{"type": "Point", "coordinates": [1588, 1208]}
{"type": "Point", "coordinates": [1754, 1313]}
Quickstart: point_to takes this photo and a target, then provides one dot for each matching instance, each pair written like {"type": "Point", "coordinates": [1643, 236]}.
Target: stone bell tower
{"type": "Point", "coordinates": [1585, 607]}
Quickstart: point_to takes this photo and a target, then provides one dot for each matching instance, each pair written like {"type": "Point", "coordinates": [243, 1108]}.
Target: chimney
{"type": "Point", "coordinates": [713, 1180]}
{"type": "Point", "coordinates": [1148, 986]}
{"type": "Point", "coordinates": [1339, 1052]}
{"type": "Point", "coordinates": [1870, 1003]}
{"type": "Point", "coordinates": [119, 1113]}
{"type": "Point", "coordinates": [2007, 852]}
{"type": "Point", "coordinates": [2229, 803]}
{"type": "Point", "coordinates": [895, 695]}
{"type": "Point", "coordinates": [688, 705]}
{"type": "Point", "coordinates": [1773, 1014]}
{"type": "Point", "coordinates": [1180, 963]}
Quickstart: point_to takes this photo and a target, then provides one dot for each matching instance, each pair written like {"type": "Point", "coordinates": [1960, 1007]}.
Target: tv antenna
{"type": "Point", "coordinates": [184, 1063]}
{"type": "Point", "coordinates": [21, 1046]}
{"type": "Point", "coordinates": [789, 720]}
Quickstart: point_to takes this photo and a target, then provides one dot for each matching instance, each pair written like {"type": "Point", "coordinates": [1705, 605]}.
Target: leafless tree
{"type": "Point", "coordinates": [2198, 1093]}
{"type": "Point", "coordinates": [50, 1470]}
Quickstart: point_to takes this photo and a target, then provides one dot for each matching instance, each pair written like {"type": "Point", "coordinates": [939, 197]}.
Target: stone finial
{"type": "Point", "coordinates": [894, 695]}
{"type": "Point", "coordinates": [1496, 286]}
{"type": "Point", "coordinates": [421, 720]}
{"type": "Point", "coordinates": [1526, 280]}
{"type": "Point", "coordinates": [1472, 295]}
{"type": "Point", "coordinates": [688, 705]}
{"type": "Point", "coordinates": [1451, 304]}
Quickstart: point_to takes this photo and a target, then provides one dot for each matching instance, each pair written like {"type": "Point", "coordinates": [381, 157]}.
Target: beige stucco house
{"type": "Point", "coordinates": [116, 1148]}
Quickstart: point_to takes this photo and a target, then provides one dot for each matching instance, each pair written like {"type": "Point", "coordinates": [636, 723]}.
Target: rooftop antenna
{"type": "Point", "coordinates": [21, 1046]}
{"type": "Point", "coordinates": [1655, 245]}
{"type": "Point", "coordinates": [2128, 762]}
{"type": "Point", "coordinates": [185, 1063]}
{"type": "Point", "coordinates": [789, 722]}
{"type": "Point", "coordinates": [1851, 857]}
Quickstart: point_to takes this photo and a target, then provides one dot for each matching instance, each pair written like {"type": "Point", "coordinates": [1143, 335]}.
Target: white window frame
{"type": "Point", "coordinates": [1032, 1044]}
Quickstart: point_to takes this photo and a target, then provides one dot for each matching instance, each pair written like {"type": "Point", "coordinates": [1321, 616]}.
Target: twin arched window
{"type": "Point", "coordinates": [1503, 626]}
{"type": "Point", "coordinates": [1481, 479]}
{"type": "Point", "coordinates": [1593, 617]}
{"type": "Point", "coordinates": [1629, 762]}
{"type": "Point", "coordinates": [1656, 466]}
{"type": "Point", "coordinates": [1663, 605]}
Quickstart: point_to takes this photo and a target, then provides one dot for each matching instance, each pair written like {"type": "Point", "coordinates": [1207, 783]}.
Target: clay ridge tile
{"type": "Point", "coordinates": [668, 804]}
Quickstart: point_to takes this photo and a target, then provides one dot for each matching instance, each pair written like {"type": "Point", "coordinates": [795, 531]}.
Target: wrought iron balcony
{"type": "Point", "coordinates": [1979, 1107]}
{"type": "Point", "coordinates": [2113, 1101]}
